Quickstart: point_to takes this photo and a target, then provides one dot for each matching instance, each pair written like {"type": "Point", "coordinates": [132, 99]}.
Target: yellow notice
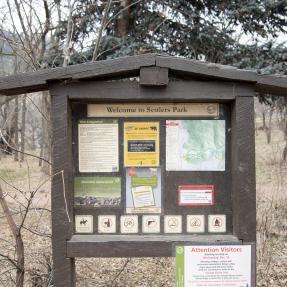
{"type": "Point", "coordinates": [141, 144]}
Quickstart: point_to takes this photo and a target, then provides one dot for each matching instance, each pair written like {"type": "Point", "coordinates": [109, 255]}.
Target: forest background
{"type": "Point", "coordinates": [41, 34]}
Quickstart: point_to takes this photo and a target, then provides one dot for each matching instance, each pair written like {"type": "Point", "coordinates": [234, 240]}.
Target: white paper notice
{"type": "Point", "coordinates": [172, 145]}
{"type": "Point", "coordinates": [195, 195]}
{"type": "Point", "coordinates": [214, 266]}
{"type": "Point", "coordinates": [98, 146]}
{"type": "Point", "coordinates": [143, 196]}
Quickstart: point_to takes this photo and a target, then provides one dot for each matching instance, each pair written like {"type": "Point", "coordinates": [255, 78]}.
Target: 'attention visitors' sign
{"type": "Point", "coordinates": [213, 266]}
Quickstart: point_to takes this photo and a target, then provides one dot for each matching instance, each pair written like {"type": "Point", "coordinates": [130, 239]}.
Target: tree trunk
{"type": "Point", "coordinates": [269, 128]}
{"type": "Point", "coordinates": [69, 34]}
{"type": "Point", "coordinates": [102, 26]}
{"type": "Point", "coordinates": [263, 121]}
{"type": "Point", "coordinates": [41, 148]}
{"type": "Point", "coordinates": [284, 154]}
{"type": "Point", "coordinates": [15, 129]}
{"type": "Point", "coordinates": [33, 140]}
{"type": "Point", "coordinates": [23, 127]}
{"type": "Point", "coordinates": [20, 261]}
{"type": "Point", "coordinates": [20, 256]}
{"type": "Point", "coordinates": [46, 135]}
{"type": "Point", "coordinates": [123, 19]}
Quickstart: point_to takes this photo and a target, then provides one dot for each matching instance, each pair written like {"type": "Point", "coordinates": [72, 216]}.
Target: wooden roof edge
{"type": "Point", "coordinates": [266, 84]}
{"type": "Point", "coordinates": [272, 84]}
{"type": "Point", "coordinates": [38, 80]}
{"type": "Point", "coordinates": [206, 69]}
{"type": "Point", "coordinates": [129, 65]}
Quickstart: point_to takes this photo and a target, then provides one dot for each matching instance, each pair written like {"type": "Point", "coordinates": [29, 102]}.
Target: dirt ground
{"type": "Point", "coordinates": [155, 272]}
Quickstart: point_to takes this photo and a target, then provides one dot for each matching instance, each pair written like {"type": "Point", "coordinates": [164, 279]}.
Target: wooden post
{"type": "Point", "coordinates": [62, 216]}
{"type": "Point", "coordinates": [243, 169]}
{"type": "Point", "coordinates": [243, 174]}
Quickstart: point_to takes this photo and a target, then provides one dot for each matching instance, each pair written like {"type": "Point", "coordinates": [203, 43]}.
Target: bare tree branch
{"type": "Point", "coordinates": [120, 272]}
{"type": "Point", "coordinates": [29, 55]}
{"type": "Point", "coordinates": [26, 153]}
{"type": "Point", "coordinates": [67, 48]}
{"type": "Point", "coordinates": [45, 30]}
{"type": "Point", "coordinates": [37, 232]}
{"type": "Point", "coordinates": [6, 257]}
{"type": "Point", "coordinates": [18, 239]}
{"type": "Point", "coordinates": [27, 38]}
{"type": "Point", "coordinates": [37, 108]}
{"type": "Point", "coordinates": [34, 208]}
{"type": "Point", "coordinates": [104, 19]}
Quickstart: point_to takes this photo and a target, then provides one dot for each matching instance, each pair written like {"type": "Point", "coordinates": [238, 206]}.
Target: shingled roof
{"type": "Point", "coordinates": [130, 66]}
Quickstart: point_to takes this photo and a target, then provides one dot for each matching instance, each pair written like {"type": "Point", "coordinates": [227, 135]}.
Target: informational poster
{"type": "Point", "coordinates": [192, 195]}
{"type": "Point", "coordinates": [141, 144]}
{"type": "Point", "coordinates": [213, 266]}
{"type": "Point", "coordinates": [143, 190]}
{"type": "Point", "coordinates": [98, 145]}
{"type": "Point", "coordinates": [154, 110]}
{"type": "Point", "coordinates": [195, 145]}
{"type": "Point", "coordinates": [97, 191]}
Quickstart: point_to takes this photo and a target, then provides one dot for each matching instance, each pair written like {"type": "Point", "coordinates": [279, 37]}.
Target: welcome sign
{"type": "Point", "coordinates": [154, 110]}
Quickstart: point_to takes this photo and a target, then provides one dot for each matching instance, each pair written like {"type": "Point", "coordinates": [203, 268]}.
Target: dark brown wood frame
{"type": "Point", "coordinates": [153, 87]}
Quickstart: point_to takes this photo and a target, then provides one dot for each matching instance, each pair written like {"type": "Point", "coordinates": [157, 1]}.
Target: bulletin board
{"type": "Point", "coordinates": [152, 168]}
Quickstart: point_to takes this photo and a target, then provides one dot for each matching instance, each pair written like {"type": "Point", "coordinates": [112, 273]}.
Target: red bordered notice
{"type": "Point", "coordinates": [191, 195]}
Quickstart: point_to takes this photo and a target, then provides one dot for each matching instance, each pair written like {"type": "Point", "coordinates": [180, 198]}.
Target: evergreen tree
{"type": "Point", "coordinates": [206, 29]}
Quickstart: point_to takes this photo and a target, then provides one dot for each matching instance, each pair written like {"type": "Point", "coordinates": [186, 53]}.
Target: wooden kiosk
{"type": "Point", "coordinates": [121, 126]}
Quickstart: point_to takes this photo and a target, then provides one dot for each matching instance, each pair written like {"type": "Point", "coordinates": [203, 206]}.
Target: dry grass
{"type": "Point", "coordinates": [271, 180]}
{"type": "Point", "coordinates": [25, 178]}
{"type": "Point", "coordinates": [156, 272]}
{"type": "Point", "coordinates": [131, 272]}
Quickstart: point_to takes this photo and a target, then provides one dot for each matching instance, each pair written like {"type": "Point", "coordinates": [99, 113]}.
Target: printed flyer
{"type": "Point", "coordinates": [141, 144]}
{"type": "Point", "coordinates": [143, 190]}
{"type": "Point", "coordinates": [97, 191]}
{"type": "Point", "coordinates": [98, 145]}
{"type": "Point", "coordinates": [213, 266]}
{"type": "Point", "coordinates": [143, 196]}
{"type": "Point", "coordinates": [195, 145]}
{"type": "Point", "coordinates": [192, 195]}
